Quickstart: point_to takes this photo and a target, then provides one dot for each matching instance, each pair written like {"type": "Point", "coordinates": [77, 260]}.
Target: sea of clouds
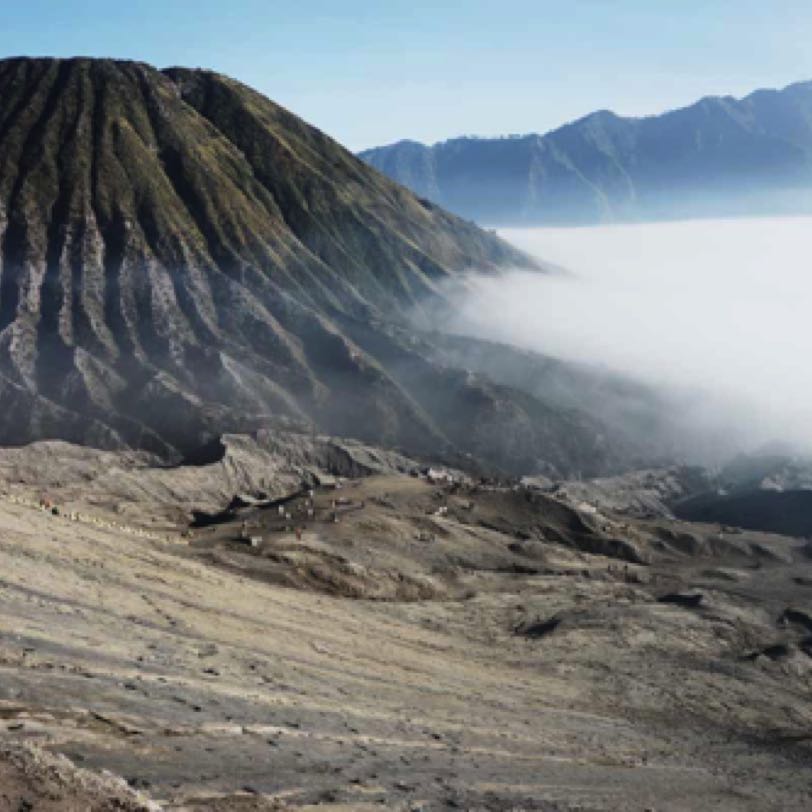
{"type": "Point", "coordinates": [718, 312]}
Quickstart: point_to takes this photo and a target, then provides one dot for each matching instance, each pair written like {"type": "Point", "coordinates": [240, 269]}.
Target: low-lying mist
{"type": "Point", "coordinates": [714, 314]}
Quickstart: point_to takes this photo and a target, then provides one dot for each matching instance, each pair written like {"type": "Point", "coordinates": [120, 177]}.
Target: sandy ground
{"type": "Point", "coordinates": [211, 676]}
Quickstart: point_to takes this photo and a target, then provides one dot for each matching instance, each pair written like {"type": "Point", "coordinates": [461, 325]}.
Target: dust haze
{"type": "Point", "coordinates": [713, 313]}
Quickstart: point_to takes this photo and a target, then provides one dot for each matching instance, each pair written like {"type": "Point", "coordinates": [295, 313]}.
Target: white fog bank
{"type": "Point", "coordinates": [720, 308]}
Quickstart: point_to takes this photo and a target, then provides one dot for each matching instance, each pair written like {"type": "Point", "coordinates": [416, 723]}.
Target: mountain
{"type": "Point", "coordinates": [720, 156]}
{"type": "Point", "coordinates": [180, 257]}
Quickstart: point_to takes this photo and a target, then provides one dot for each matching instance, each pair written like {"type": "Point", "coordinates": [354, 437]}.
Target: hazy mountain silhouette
{"type": "Point", "coordinates": [718, 157]}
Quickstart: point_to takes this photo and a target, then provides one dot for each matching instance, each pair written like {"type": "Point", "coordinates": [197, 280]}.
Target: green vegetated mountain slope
{"type": "Point", "coordinates": [720, 156]}
{"type": "Point", "coordinates": [180, 257]}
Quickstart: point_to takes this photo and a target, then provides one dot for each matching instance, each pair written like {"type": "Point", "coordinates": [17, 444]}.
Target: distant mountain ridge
{"type": "Point", "coordinates": [721, 156]}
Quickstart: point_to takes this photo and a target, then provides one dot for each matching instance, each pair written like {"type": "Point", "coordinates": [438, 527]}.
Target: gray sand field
{"type": "Point", "coordinates": [486, 656]}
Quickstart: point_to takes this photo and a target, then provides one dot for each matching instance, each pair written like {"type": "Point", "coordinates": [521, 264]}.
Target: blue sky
{"type": "Point", "coordinates": [373, 72]}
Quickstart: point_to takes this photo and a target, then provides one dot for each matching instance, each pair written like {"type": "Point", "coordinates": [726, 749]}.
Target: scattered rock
{"type": "Point", "coordinates": [538, 628]}
{"type": "Point", "coordinates": [797, 618]}
{"type": "Point", "coordinates": [690, 601]}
